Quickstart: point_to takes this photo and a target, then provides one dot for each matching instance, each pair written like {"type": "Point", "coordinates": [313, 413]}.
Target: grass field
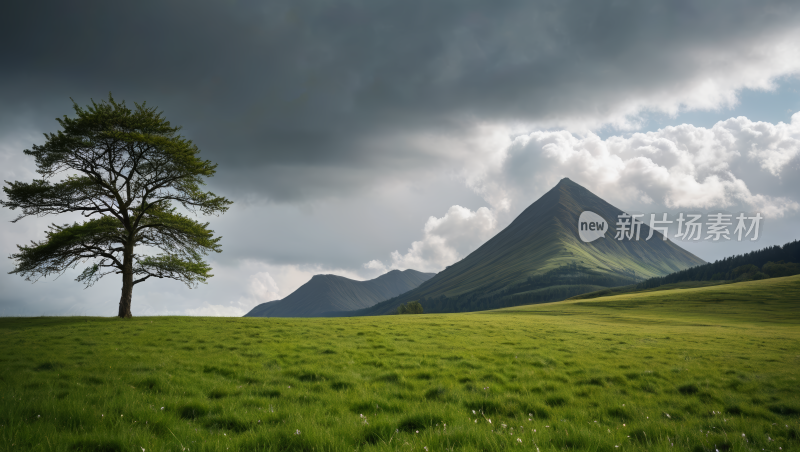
{"type": "Point", "coordinates": [710, 368]}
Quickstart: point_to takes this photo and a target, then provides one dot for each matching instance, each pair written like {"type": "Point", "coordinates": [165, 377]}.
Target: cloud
{"type": "Point", "coordinates": [675, 167]}
{"type": "Point", "coordinates": [263, 287]}
{"type": "Point", "coordinates": [446, 240]}
{"type": "Point", "coordinates": [773, 146]}
{"type": "Point", "coordinates": [308, 100]}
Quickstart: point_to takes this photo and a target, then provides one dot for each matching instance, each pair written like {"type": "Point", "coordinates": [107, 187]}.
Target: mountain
{"type": "Point", "coordinates": [540, 257]}
{"type": "Point", "coordinates": [330, 293]}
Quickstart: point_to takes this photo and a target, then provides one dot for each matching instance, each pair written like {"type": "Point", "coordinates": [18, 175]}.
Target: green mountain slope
{"type": "Point", "coordinates": [770, 262]}
{"type": "Point", "coordinates": [540, 257]}
{"type": "Point", "coordinates": [330, 293]}
{"type": "Point", "coordinates": [774, 301]}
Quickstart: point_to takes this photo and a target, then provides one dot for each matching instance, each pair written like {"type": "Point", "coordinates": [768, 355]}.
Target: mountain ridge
{"type": "Point", "coordinates": [543, 243]}
{"type": "Point", "coordinates": [333, 293]}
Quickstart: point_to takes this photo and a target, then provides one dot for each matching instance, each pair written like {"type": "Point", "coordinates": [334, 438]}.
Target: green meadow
{"type": "Point", "coordinates": [699, 369]}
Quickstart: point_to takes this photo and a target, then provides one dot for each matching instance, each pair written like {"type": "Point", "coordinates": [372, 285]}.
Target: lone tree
{"type": "Point", "coordinates": [124, 169]}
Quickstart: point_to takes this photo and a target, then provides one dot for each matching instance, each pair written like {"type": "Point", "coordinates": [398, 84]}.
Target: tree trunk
{"type": "Point", "coordinates": [127, 284]}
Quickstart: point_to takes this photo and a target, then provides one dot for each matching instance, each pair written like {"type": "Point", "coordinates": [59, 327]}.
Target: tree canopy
{"type": "Point", "coordinates": [413, 307]}
{"type": "Point", "coordinates": [125, 170]}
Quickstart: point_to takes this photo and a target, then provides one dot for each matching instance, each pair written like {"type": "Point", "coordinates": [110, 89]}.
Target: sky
{"type": "Point", "coordinates": [356, 137]}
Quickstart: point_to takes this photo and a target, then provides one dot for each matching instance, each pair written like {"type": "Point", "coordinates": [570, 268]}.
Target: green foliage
{"type": "Point", "coordinates": [742, 267]}
{"type": "Point", "coordinates": [412, 307]}
{"type": "Point", "coordinates": [733, 272]}
{"type": "Point", "coordinates": [689, 369]}
{"type": "Point", "coordinates": [126, 169]}
{"type": "Point", "coordinates": [776, 270]}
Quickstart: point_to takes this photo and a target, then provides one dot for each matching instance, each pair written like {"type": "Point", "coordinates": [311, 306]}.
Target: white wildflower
{"type": "Point", "coordinates": [519, 440]}
{"type": "Point", "coordinates": [297, 432]}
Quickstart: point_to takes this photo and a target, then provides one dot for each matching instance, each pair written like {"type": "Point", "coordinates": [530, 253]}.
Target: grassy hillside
{"type": "Point", "coordinates": [633, 288]}
{"type": "Point", "coordinates": [544, 240]}
{"type": "Point", "coordinates": [770, 302]}
{"type": "Point", "coordinates": [329, 293]}
{"type": "Point", "coordinates": [770, 262]}
{"type": "Point", "coordinates": [703, 369]}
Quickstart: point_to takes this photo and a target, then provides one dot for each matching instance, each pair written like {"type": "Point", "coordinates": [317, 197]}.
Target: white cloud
{"type": "Point", "coordinates": [263, 287]}
{"type": "Point", "coordinates": [675, 167]}
{"type": "Point", "coordinates": [446, 240]}
{"type": "Point", "coordinates": [773, 146]}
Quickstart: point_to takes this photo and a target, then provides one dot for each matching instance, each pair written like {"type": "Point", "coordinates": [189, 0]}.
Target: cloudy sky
{"type": "Point", "coordinates": [359, 136]}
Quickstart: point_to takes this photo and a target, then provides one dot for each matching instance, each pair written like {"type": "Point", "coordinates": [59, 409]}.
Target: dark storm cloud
{"type": "Point", "coordinates": [297, 100]}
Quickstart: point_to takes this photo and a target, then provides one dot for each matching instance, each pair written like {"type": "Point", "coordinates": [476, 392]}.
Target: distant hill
{"type": "Point", "coordinates": [539, 257]}
{"type": "Point", "coordinates": [770, 262]}
{"type": "Point", "coordinates": [331, 293]}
